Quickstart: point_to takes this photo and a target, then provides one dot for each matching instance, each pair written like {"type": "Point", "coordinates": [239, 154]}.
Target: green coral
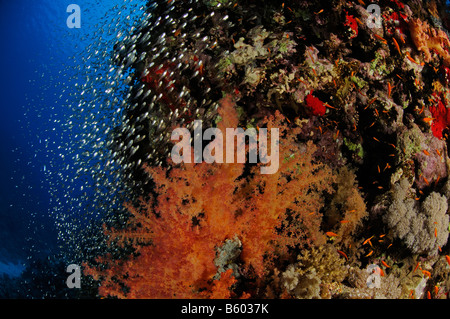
{"type": "Point", "coordinates": [285, 45]}
{"type": "Point", "coordinates": [410, 142]}
{"type": "Point", "coordinates": [224, 64]}
{"type": "Point", "coordinates": [380, 66]}
{"type": "Point", "coordinates": [356, 148]}
{"type": "Point", "coordinates": [358, 81]}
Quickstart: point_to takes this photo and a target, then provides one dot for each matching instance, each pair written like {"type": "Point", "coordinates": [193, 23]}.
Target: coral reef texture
{"type": "Point", "coordinates": [358, 207]}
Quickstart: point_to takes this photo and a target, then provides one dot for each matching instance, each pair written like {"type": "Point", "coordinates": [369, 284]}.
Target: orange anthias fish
{"type": "Point", "coordinates": [342, 254]}
{"type": "Point", "coordinates": [426, 273]}
{"type": "Point", "coordinates": [331, 234]}
{"type": "Point", "coordinates": [397, 46]}
{"type": "Point", "coordinates": [448, 259]}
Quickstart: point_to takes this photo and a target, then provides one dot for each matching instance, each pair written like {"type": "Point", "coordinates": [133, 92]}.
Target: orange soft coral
{"type": "Point", "coordinates": [198, 206]}
{"type": "Point", "coordinates": [427, 39]}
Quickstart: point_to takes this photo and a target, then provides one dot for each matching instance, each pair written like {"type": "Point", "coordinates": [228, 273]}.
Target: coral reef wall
{"type": "Point", "coordinates": [359, 205]}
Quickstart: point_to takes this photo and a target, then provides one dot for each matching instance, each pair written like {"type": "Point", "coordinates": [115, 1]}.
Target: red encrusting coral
{"type": "Point", "coordinates": [397, 22]}
{"type": "Point", "coordinates": [351, 22]}
{"type": "Point", "coordinates": [315, 105]}
{"type": "Point", "coordinates": [445, 74]}
{"type": "Point", "coordinates": [441, 117]}
{"type": "Point", "coordinates": [399, 4]}
{"type": "Point", "coordinates": [158, 80]}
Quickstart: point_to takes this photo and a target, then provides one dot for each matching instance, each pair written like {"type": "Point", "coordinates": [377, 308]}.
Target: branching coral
{"type": "Point", "coordinates": [428, 39]}
{"type": "Point", "coordinates": [423, 227]}
{"type": "Point", "coordinates": [315, 270]}
{"type": "Point", "coordinates": [180, 234]}
{"type": "Point", "coordinates": [347, 208]}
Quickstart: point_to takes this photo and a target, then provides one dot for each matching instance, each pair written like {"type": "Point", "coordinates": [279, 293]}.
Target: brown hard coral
{"type": "Point", "coordinates": [314, 272]}
{"type": "Point", "coordinates": [359, 288]}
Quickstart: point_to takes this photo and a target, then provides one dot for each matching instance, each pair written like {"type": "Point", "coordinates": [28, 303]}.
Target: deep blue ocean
{"type": "Point", "coordinates": [40, 66]}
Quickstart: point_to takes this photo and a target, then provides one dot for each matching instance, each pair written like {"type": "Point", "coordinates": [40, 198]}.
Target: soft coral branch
{"type": "Point", "coordinates": [199, 206]}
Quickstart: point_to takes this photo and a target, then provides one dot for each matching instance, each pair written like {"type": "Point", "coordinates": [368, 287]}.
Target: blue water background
{"type": "Point", "coordinates": [37, 73]}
